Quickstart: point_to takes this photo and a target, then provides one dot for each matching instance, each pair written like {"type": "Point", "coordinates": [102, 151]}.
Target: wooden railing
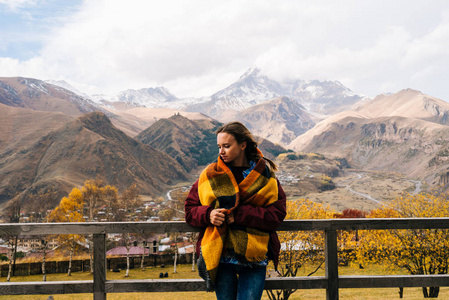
{"type": "Point", "coordinates": [332, 282]}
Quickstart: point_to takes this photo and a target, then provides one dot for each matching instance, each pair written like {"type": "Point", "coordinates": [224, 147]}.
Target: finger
{"type": "Point", "coordinates": [217, 223]}
{"type": "Point", "coordinates": [218, 217]}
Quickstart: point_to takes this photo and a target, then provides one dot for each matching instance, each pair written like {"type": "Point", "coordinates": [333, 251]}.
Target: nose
{"type": "Point", "coordinates": [221, 150]}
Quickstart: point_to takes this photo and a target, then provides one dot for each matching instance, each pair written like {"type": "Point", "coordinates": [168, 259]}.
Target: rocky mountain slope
{"type": "Point", "coordinates": [404, 132]}
{"type": "Point", "coordinates": [88, 147]}
{"type": "Point", "coordinates": [319, 97]}
{"type": "Point", "coordinates": [407, 103]}
{"type": "Point", "coordinates": [143, 117]}
{"type": "Point", "coordinates": [21, 127]}
{"type": "Point", "coordinates": [192, 143]}
{"type": "Point", "coordinates": [279, 120]}
{"type": "Point", "coordinates": [57, 96]}
{"type": "Point", "coordinates": [39, 95]}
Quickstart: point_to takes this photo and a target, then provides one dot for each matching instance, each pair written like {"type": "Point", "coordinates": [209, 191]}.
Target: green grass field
{"type": "Point", "coordinates": [185, 271]}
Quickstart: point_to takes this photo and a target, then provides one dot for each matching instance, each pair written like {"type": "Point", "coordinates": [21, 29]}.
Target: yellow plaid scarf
{"type": "Point", "coordinates": [216, 187]}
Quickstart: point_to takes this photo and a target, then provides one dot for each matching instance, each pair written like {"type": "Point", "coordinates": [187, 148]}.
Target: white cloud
{"type": "Point", "coordinates": [196, 47]}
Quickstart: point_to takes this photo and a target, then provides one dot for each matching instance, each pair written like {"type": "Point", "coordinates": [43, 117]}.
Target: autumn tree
{"type": "Point", "coordinates": [348, 239]}
{"type": "Point", "coordinates": [178, 197]}
{"type": "Point", "coordinates": [326, 183]}
{"type": "Point", "coordinates": [69, 210]}
{"type": "Point", "coordinates": [417, 251]}
{"type": "Point", "coordinates": [40, 203]}
{"type": "Point", "coordinates": [193, 237]}
{"type": "Point", "coordinates": [92, 195]}
{"type": "Point", "coordinates": [84, 205]}
{"type": "Point", "coordinates": [110, 197]}
{"type": "Point", "coordinates": [299, 248]}
{"type": "Point", "coordinates": [96, 195]}
{"type": "Point", "coordinates": [13, 212]}
{"type": "Point", "coordinates": [96, 199]}
{"type": "Point", "coordinates": [129, 200]}
{"type": "Point", "coordinates": [92, 200]}
{"type": "Point", "coordinates": [12, 243]}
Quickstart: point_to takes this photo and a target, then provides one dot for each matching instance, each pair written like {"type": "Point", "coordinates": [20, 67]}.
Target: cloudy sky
{"type": "Point", "coordinates": [195, 48]}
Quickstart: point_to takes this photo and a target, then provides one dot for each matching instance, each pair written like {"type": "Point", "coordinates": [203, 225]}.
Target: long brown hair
{"type": "Point", "coordinates": [242, 134]}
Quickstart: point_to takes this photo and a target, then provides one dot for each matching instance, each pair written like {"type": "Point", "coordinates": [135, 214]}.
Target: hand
{"type": "Point", "coordinates": [217, 216]}
{"type": "Point", "coordinates": [230, 218]}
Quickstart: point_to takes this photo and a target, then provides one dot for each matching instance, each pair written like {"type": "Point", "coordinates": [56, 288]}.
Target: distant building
{"type": "Point", "coordinates": [4, 250]}
{"type": "Point", "coordinates": [33, 242]}
{"type": "Point", "coordinates": [133, 251]}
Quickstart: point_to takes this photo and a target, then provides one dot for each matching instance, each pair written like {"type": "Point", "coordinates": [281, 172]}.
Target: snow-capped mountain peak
{"type": "Point", "coordinates": [149, 97]}
{"type": "Point", "coordinates": [69, 87]}
{"type": "Point", "coordinates": [251, 72]}
{"type": "Point", "coordinates": [320, 97]}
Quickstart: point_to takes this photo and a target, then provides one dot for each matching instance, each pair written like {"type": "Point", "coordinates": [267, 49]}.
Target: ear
{"type": "Point", "coordinates": [243, 145]}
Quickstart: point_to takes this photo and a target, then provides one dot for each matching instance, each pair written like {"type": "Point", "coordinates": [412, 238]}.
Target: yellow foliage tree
{"type": "Point", "coordinates": [299, 248]}
{"type": "Point", "coordinates": [326, 183]}
{"type": "Point", "coordinates": [96, 202]}
{"type": "Point", "coordinates": [129, 200]}
{"type": "Point", "coordinates": [419, 251]}
{"type": "Point", "coordinates": [69, 210]}
{"type": "Point", "coordinates": [110, 199]}
{"type": "Point", "coordinates": [92, 194]}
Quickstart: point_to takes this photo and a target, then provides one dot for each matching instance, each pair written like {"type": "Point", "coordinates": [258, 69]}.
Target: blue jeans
{"type": "Point", "coordinates": [239, 282]}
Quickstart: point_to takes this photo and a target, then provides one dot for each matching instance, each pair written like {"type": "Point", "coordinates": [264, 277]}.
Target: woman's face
{"type": "Point", "coordinates": [230, 151]}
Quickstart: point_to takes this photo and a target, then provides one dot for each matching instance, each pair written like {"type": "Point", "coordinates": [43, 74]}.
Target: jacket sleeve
{"type": "Point", "coordinates": [265, 218]}
{"type": "Point", "coordinates": [196, 214]}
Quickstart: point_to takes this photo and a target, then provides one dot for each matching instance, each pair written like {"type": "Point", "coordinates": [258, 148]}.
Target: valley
{"type": "Point", "coordinates": [357, 189]}
{"type": "Point", "coordinates": [354, 189]}
{"type": "Point", "coordinates": [364, 193]}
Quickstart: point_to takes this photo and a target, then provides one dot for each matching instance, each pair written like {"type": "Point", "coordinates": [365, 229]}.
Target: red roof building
{"type": "Point", "coordinates": [133, 250]}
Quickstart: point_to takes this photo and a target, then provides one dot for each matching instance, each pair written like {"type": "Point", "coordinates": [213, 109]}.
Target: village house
{"type": "Point", "coordinates": [32, 242]}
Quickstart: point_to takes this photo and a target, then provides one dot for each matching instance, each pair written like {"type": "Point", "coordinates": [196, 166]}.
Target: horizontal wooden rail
{"type": "Point", "coordinates": [332, 282]}
{"type": "Point", "coordinates": [197, 285]}
{"type": "Point", "coordinates": [180, 226]}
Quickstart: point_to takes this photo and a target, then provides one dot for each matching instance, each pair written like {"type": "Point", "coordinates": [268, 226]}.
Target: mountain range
{"type": "Point", "coordinates": [55, 136]}
{"type": "Point", "coordinates": [309, 101]}
{"type": "Point", "coordinates": [87, 147]}
{"type": "Point", "coordinates": [406, 132]}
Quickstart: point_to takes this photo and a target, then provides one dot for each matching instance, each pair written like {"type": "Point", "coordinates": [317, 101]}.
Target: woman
{"type": "Point", "coordinates": [238, 203]}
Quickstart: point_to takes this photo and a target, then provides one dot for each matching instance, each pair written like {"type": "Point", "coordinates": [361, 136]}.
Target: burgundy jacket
{"type": "Point", "coordinates": [266, 218]}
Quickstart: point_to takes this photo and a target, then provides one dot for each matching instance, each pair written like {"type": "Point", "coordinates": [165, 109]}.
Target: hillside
{"type": "Point", "coordinates": [410, 104]}
{"type": "Point", "coordinates": [395, 141]}
{"type": "Point", "coordinates": [21, 127]}
{"type": "Point", "coordinates": [140, 118]}
{"type": "Point", "coordinates": [192, 143]}
{"type": "Point", "coordinates": [279, 120]}
{"type": "Point", "coordinates": [38, 95]}
{"type": "Point", "coordinates": [87, 148]}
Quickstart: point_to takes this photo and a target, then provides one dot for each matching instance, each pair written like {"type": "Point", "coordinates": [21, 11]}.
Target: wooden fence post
{"type": "Point", "coordinates": [331, 264]}
{"type": "Point", "coordinates": [99, 266]}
